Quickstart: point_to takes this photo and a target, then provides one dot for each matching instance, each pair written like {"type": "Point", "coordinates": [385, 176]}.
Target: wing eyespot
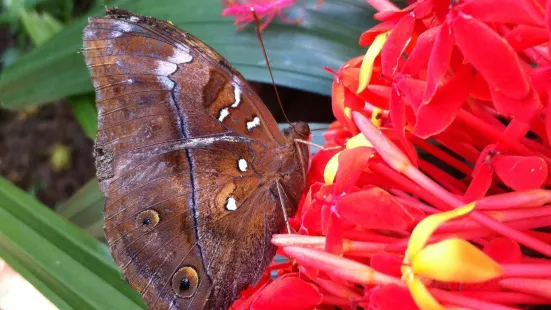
{"type": "Point", "coordinates": [185, 282]}
{"type": "Point", "coordinates": [147, 220]}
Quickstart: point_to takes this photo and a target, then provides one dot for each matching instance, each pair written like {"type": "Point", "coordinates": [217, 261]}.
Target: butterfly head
{"type": "Point", "coordinates": [298, 130]}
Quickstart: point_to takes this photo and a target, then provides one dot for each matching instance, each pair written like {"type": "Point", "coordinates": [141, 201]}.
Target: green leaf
{"type": "Point", "coordinates": [71, 269]}
{"type": "Point", "coordinates": [85, 208]}
{"type": "Point", "coordinates": [84, 109]}
{"type": "Point", "coordinates": [40, 27]}
{"type": "Point", "coordinates": [298, 53]}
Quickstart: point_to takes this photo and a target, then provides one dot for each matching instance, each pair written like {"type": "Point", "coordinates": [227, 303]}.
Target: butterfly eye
{"type": "Point", "coordinates": [185, 282]}
{"type": "Point", "coordinates": [147, 219]}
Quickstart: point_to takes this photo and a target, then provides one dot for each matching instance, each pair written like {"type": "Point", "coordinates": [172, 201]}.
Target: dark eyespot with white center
{"type": "Point", "coordinates": [147, 220]}
{"type": "Point", "coordinates": [242, 165]}
{"type": "Point", "coordinates": [231, 204]}
{"type": "Point", "coordinates": [254, 123]}
{"type": "Point", "coordinates": [185, 282]}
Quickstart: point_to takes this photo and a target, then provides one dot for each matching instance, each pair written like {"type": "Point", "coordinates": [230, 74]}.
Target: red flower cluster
{"type": "Point", "coordinates": [435, 194]}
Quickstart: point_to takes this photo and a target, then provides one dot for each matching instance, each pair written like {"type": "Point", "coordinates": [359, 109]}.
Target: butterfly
{"type": "Point", "coordinates": [196, 173]}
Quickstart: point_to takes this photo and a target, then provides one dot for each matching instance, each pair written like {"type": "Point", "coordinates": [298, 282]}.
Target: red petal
{"type": "Point", "coordinates": [374, 94]}
{"type": "Point", "coordinates": [425, 8]}
{"type": "Point", "coordinates": [394, 14]}
{"type": "Point", "coordinates": [504, 250]}
{"type": "Point", "coordinates": [435, 116]}
{"type": "Point", "coordinates": [439, 60]}
{"type": "Point", "coordinates": [548, 17]}
{"type": "Point", "coordinates": [505, 11]}
{"type": "Point", "coordinates": [333, 242]}
{"type": "Point", "coordinates": [337, 95]}
{"type": "Point", "coordinates": [482, 176]}
{"type": "Point", "coordinates": [391, 297]}
{"type": "Point", "coordinates": [491, 55]}
{"type": "Point", "coordinates": [368, 36]}
{"type": "Point", "coordinates": [352, 163]}
{"type": "Point", "coordinates": [548, 119]}
{"type": "Point", "coordinates": [541, 79]}
{"type": "Point", "coordinates": [411, 91]}
{"type": "Point", "coordinates": [387, 263]}
{"type": "Point", "coordinates": [523, 37]}
{"type": "Point", "coordinates": [290, 293]}
{"type": "Point", "coordinates": [354, 103]}
{"type": "Point", "coordinates": [479, 88]}
{"type": "Point", "coordinates": [396, 44]}
{"type": "Point", "coordinates": [520, 172]}
{"type": "Point", "coordinates": [398, 116]}
{"type": "Point", "coordinates": [317, 165]}
{"type": "Point", "coordinates": [377, 95]}
{"type": "Point", "coordinates": [419, 57]}
{"type": "Point", "coordinates": [375, 209]}
{"type": "Point", "coordinates": [309, 199]}
{"type": "Point", "coordinates": [311, 216]}
{"type": "Point", "coordinates": [524, 109]}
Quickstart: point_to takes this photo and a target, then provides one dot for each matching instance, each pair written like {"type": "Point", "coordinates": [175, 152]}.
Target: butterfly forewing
{"type": "Point", "coordinates": [188, 158]}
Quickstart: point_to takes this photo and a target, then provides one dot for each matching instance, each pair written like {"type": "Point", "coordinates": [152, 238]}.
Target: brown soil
{"type": "Point", "coordinates": [26, 143]}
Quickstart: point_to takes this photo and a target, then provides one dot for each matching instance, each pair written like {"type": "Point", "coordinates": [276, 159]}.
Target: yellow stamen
{"type": "Point", "coordinates": [366, 70]}
{"type": "Point", "coordinates": [331, 168]}
{"type": "Point", "coordinates": [422, 232]}
{"type": "Point", "coordinates": [455, 260]}
{"type": "Point", "coordinates": [357, 141]}
{"type": "Point", "coordinates": [376, 117]}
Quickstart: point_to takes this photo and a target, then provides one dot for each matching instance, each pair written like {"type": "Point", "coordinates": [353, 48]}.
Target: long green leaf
{"type": "Point", "coordinates": [326, 37]}
{"type": "Point", "coordinates": [40, 26]}
{"type": "Point", "coordinates": [71, 269]}
{"type": "Point", "coordinates": [85, 208]}
{"type": "Point", "coordinates": [84, 109]}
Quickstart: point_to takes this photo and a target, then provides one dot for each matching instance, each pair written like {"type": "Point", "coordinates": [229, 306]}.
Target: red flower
{"type": "Point", "coordinates": [448, 107]}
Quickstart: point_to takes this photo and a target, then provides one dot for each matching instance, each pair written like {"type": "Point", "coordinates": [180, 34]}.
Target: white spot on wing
{"type": "Point", "coordinates": [166, 82]}
{"type": "Point", "coordinates": [180, 55]}
{"type": "Point", "coordinates": [231, 204]}
{"type": "Point", "coordinates": [254, 123]}
{"type": "Point", "coordinates": [236, 95]}
{"type": "Point", "coordinates": [123, 26]}
{"type": "Point", "coordinates": [134, 19]}
{"type": "Point", "coordinates": [115, 34]}
{"type": "Point", "coordinates": [223, 114]}
{"type": "Point", "coordinates": [164, 67]}
{"type": "Point", "coordinates": [242, 164]}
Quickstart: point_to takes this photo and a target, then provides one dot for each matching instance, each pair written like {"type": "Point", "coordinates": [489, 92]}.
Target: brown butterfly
{"type": "Point", "coordinates": [194, 168]}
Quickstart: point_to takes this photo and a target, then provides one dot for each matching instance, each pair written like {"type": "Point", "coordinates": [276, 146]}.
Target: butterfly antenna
{"type": "Point", "coordinates": [259, 34]}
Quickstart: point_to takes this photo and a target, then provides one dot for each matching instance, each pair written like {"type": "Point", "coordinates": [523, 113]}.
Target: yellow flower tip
{"type": "Point", "coordinates": [357, 141]}
{"type": "Point", "coordinates": [421, 295]}
{"type": "Point", "coordinates": [348, 112]}
{"type": "Point", "coordinates": [455, 260]}
{"type": "Point", "coordinates": [424, 229]}
{"type": "Point", "coordinates": [331, 168]}
{"type": "Point", "coordinates": [366, 70]}
{"type": "Point", "coordinates": [376, 117]}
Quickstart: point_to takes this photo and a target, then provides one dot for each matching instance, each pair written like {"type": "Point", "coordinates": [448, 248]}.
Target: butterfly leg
{"type": "Point", "coordinates": [320, 147]}
{"type": "Point", "coordinates": [280, 193]}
